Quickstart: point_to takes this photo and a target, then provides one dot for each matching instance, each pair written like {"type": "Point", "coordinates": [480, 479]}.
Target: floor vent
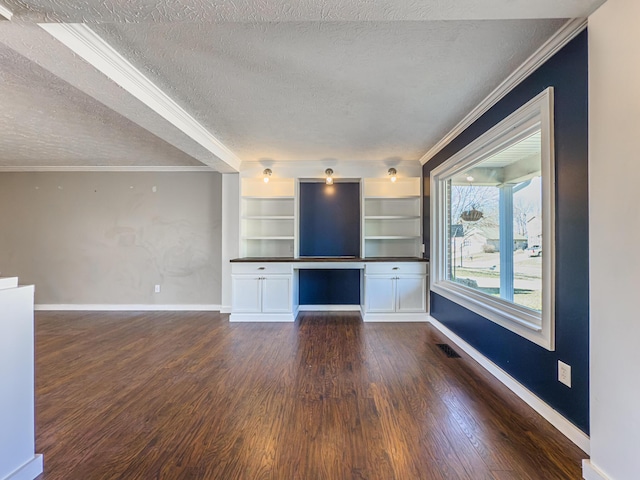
{"type": "Point", "coordinates": [450, 352]}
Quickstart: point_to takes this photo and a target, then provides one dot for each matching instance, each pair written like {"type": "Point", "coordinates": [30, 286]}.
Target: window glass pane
{"type": "Point", "coordinates": [527, 262]}
{"type": "Point", "coordinates": [495, 224]}
{"type": "Point", "coordinates": [475, 261]}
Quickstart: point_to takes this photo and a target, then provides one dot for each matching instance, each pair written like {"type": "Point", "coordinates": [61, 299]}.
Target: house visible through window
{"type": "Point", "coordinates": [493, 222]}
{"type": "Point", "coordinates": [496, 249]}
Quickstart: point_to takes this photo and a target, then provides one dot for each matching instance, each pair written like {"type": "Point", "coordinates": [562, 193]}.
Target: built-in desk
{"type": "Point", "coordinates": [266, 289]}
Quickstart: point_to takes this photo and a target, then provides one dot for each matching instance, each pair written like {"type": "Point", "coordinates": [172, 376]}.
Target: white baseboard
{"type": "Point", "coordinates": [128, 308]}
{"type": "Point", "coordinates": [567, 428]}
{"type": "Point", "coordinates": [589, 472]}
{"type": "Point", "coordinates": [262, 317]}
{"type": "Point", "coordinates": [225, 309]}
{"type": "Point", "coordinates": [329, 308]}
{"type": "Point", "coordinates": [395, 317]}
{"type": "Point", "coordinates": [29, 470]}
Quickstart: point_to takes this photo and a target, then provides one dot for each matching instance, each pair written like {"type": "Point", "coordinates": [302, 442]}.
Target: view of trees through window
{"type": "Point", "coordinates": [499, 198]}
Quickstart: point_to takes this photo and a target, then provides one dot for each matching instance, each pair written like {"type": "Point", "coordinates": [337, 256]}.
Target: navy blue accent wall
{"type": "Point", "coordinates": [329, 227]}
{"type": "Point", "coordinates": [329, 287]}
{"type": "Point", "coordinates": [531, 365]}
{"type": "Point", "coordinates": [329, 220]}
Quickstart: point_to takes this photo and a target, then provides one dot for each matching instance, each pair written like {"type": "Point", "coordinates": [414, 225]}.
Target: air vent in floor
{"type": "Point", "coordinates": [450, 352]}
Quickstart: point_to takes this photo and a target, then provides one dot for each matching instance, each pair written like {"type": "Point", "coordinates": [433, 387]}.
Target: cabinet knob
{"type": "Point", "coordinates": [260, 268]}
{"type": "Point", "coordinates": [396, 268]}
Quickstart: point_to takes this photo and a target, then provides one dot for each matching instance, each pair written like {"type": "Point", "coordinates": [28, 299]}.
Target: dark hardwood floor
{"type": "Point", "coordinates": [190, 396]}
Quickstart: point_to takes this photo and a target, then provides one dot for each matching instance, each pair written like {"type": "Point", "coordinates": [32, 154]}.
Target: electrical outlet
{"type": "Point", "coordinates": [157, 289]}
{"type": "Point", "coordinates": [564, 373]}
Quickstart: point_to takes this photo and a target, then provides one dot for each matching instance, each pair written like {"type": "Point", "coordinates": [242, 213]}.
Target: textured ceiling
{"type": "Point", "coordinates": [301, 10]}
{"type": "Point", "coordinates": [309, 90]}
{"type": "Point", "coordinates": [270, 79]}
{"type": "Point", "coordinates": [46, 122]}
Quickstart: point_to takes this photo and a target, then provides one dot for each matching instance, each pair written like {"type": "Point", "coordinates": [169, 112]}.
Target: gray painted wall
{"type": "Point", "coordinates": [108, 238]}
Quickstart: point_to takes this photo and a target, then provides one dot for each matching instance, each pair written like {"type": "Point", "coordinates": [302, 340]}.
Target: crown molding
{"type": "Point", "coordinates": [5, 12]}
{"type": "Point", "coordinates": [558, 40]}
{"type": "Point", "coordinates": [84, 42]}
{"type": "Point", "coordinates": [109, 168]}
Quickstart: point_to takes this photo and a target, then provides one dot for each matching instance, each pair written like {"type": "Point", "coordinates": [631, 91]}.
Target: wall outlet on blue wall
{"type": "Point", "coordinates": [564, 373]}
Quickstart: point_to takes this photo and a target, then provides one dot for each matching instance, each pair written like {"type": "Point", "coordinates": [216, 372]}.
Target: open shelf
{"type": "Point", "coordinates": [267, 218]}
{"type": "Point", "coordinates": [391, 223]}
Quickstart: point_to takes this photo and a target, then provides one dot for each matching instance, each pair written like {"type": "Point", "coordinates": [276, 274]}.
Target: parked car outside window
{"type": "Point", "coordinates": [535, 251]}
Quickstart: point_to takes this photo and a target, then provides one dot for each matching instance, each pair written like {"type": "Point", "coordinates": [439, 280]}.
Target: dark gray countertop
{"type": "Point", "coordinates": [327, 259]}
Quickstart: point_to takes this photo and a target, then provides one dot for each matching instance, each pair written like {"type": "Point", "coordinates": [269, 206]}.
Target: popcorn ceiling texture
{"type": "Point", "coordinates": [270, 79]}
{"type": "Point", "coordinates": [46, 122]}
{"type": "Point", "coordinates": [309, 91]}
{"type": "Point", "coordinates": [302, 10]}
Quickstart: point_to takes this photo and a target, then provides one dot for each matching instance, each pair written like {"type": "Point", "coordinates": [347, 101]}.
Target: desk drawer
{"type": "Point", "coordinates": [257, 267]}
{"type": "Point", "coordinates": [382, 268]}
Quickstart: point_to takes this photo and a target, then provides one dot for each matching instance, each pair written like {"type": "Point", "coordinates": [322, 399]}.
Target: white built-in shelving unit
{"type": "Point", "coordinates": [390, 215]}
{"type": "Point", "coordinates": [268, 218]}
{"type": "Point", "coordinates": [391, 218]}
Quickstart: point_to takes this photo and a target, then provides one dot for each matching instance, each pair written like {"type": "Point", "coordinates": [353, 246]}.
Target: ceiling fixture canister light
{"type": "Point", "coordinates": [267, 173]}
{"type": "Point", "coordinates": [392, 174]}
{"type": "Point", "coordinates": [329, 172]}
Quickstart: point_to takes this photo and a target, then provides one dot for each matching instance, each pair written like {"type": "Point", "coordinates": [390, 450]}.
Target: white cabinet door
{"type": "Point", "coordinates": [380, 294]}
{"type": "Point", "coordinates": [276, 294]}
{"type": "Point", "coordinates": [411, 294]}
{"type": "Point", "coordinates": [246, 291]}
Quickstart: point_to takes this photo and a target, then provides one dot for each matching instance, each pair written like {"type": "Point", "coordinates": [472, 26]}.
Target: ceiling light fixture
{"type": "Point", "coordinates": [328, 172]}
{"type": "Point", "coordinates": [267, 173]}
{"type": "Point", "coordinates": [392, 174]}
{"type": "Point", "coordinates": [470, 178]}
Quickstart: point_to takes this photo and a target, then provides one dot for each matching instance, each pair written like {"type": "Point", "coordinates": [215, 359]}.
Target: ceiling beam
{"type": "Point", "coordinates": [5, 12]}
{"type": "Point", "coordinates": [92, 48]}
{"type": "Point", "coordinates": [38, 46]}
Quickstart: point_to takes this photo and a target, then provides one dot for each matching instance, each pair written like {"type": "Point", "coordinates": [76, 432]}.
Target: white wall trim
{"type": "Point", "coordinates": [29, 470]}
{"type": "Point", "coordinates": [329, 308]}
{"type": "Point", "coordinates": [590, 472]}
{"type": "Point", "coordinates": [559, 39]}
{"type": "Point", "coordinates": [5, 12]}
{"type": "Point", "coordinates": [395, 317]}
{"type": "Point", "coordinates": [103, 168]}
{"type": "Point", "coordinates": [91, 47]}
{"type": "Point", "coordinates": [127, 307]}
{"type": "Point", "coordinates": [262, 317]}
{"type": "Point", "coordinates": [567, 428]}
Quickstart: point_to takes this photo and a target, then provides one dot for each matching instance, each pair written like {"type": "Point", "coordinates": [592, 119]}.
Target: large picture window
{"type": "Point", "coordinates": [493, 212]}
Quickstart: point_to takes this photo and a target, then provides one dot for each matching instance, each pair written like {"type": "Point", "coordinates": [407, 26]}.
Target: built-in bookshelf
{"type": "Point", "coordinates": [391, 218]}
{"type": "Point", "coordinates": [268, 218]}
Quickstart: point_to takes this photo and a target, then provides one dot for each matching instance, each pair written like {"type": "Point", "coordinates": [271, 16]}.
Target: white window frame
{"type": "Point", "coordinates": [538, 327]}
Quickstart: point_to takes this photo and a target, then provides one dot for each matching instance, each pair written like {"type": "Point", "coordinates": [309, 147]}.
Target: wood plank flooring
{"type": "Point", "coordinates": [190, 396]}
